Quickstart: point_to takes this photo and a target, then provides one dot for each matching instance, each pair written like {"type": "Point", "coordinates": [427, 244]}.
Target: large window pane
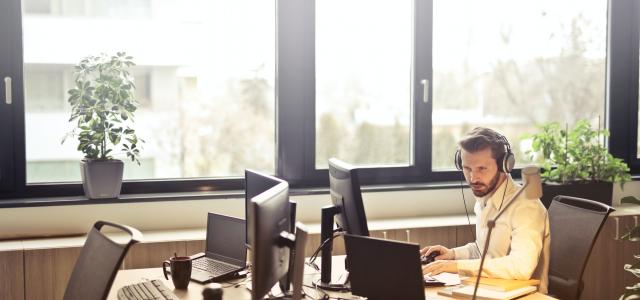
{"type": "Point", "coordinates": [204, 77]}
{"type": "Point", "coordinates": [363, 81]}
{"type": "Point", "coordinates": [510, 65]}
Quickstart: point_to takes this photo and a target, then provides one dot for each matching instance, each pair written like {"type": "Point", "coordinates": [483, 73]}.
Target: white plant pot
{"type": "Point", "coordinates": [101, 179]}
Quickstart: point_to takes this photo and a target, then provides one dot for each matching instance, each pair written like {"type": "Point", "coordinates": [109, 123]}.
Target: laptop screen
{"type": "Point", "coordinates": [225, 239]}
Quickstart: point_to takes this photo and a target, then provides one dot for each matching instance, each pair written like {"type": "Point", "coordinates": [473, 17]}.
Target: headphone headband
{"type": "Point", "coordinates": [505, 163]}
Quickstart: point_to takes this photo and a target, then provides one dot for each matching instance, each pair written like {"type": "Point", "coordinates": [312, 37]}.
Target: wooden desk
{"type": "Point", "coordinates": [239, 292]}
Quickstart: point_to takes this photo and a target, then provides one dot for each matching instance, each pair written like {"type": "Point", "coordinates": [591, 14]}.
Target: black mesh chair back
{"type": "Point", "coordinates": [575, 224]}
{"type": "Point", "coordinates": [98, 263]}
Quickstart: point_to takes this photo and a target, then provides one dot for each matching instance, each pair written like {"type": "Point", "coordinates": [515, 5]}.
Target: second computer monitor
{"type": "Point", "coordinates": [344, 186]}
{"type": "Point", "coordinates": [346, 210]}
{"type": "Point", "coordinates": [255, 183]}
{"type": "Point", "coordinates": [270, 213]}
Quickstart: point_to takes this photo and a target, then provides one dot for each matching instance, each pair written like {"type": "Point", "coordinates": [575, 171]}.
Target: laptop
{"type": "Point", "coordinates": [384, 269]}
{"type": "Point", "coordinates": [225, 253]}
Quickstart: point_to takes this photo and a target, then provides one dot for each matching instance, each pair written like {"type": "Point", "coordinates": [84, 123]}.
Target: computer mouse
{"type": "Point", "coordinates": [426, 259]}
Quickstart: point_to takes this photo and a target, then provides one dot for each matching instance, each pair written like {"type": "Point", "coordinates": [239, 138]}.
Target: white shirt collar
{"type": "Point", "coordinates": [499, 195]}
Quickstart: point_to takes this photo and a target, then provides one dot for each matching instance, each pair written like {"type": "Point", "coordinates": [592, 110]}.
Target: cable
{"type": "Point", "coordinates": [503, 193]}
{"type": "Point", "coordinates": [313, 257]}
{"type": "Point", "coordinates": [473, 232]}
{"type": "Point", "coordinates": [324, 294]}
{"type": "Point", "coordinates": [236, 283]}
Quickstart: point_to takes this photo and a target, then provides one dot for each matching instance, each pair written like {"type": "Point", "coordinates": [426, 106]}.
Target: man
{"type": "Point", "coordinates": [519, 246]}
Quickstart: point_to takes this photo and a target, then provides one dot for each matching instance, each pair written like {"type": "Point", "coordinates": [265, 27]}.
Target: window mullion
{"type": "Point", "coordinates": [11, 115]}
{"type": "Point", "coordinates": [422, 70]}
{"type": "Point", "coordinates": [295, 90]}
{"type": "Point", "coordinates": [622, 81]}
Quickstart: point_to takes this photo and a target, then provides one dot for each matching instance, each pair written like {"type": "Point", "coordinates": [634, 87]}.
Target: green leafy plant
{"type": "Point", "coordinates": [576, 155]}
{"type": "Point", "coordinates": [632, 292]}
{"type": "Point", "coordinates": [103, 105]}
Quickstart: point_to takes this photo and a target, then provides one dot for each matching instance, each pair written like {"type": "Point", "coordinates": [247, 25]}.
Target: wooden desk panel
{"type": "Point", "coordinates": [194, 292]}
{"type": "Point", "coordinates": [148, 255]}
{"type": "Point", "coordinates": [12, 268]}
{"type": "Point", "coordinates": [47, 272]}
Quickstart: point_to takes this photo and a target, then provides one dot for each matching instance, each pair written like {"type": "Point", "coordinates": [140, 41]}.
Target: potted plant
{"type": "Point", "coordinates": [575, 162]}
{"type": "Point", "coordinates": [102, 107]}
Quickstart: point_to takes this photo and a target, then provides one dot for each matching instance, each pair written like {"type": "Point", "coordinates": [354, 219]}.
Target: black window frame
{"type": "Point", "coordinates": [296, 101]}
{"type": "Point", "coordinates": [11, 135]}
{"type": "Point", "coordinates": [622, 80]}
{"type": "Point", "coordinates": [295, 106]}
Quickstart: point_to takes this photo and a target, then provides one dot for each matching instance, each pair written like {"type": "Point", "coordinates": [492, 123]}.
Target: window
{"type": "Point", "coordinates": [389, 86]}
{"type": "Point", "coordinates": [91, 8]}
{"type": "Point", "coordinates": [363, 98]}
{"type": "Point", "coordinates": [527, 63]}
{"type": "Point", "coordinates": [206, 110]}
{"type": "Point", "coordinates": [352, 89]}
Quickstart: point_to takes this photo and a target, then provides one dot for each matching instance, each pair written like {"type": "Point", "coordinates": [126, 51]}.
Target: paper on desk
{"type": "Point", "coordinates": [448, 278]}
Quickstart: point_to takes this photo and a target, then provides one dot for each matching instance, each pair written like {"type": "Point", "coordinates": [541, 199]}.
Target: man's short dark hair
{"type": "Point", "coordinates": [481, 138]}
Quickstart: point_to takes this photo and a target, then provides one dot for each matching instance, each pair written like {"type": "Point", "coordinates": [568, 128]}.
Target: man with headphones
{"type": "Point", "coordinates": [519, 247]}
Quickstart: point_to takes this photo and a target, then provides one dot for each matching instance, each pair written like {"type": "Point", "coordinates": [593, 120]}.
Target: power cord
{"type": "Point", "coordinates": [236, 283]}
{"type": "Point", "coordinates": [323, 295]}
{"type": "Point", "coordinates": [314, 256]}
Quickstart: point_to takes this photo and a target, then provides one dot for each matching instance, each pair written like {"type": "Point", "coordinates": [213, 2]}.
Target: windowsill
{"type": "Point", "coordinates": [195, 234]}
{"type": "Point", "coordinates": [138, 198]}
{"type": "Point", "coordinates": [46, 217]}
{"type": "Point", "coordinates": [230, 194]}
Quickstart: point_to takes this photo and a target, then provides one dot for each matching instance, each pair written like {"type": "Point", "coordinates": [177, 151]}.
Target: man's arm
{"type": "Point", "coordinates": [528, 223]}
{"type": "Point", "coordinates": [468, 251]}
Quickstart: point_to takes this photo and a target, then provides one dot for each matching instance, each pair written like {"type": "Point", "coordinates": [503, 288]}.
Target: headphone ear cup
{"type": "Point", "coordinates": [509, 162]}
{"type": "Point", "coordinates": [457, 160]}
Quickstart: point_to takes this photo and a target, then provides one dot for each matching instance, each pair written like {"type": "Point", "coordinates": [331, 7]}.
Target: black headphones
{"type": "Point", "coordinates": [505, 163]}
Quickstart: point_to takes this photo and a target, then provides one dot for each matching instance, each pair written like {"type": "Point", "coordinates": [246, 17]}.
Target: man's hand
{"type": "Point", "coordinates": [440, 266]}
{"type": "Point", "coordinates": [445, 253]}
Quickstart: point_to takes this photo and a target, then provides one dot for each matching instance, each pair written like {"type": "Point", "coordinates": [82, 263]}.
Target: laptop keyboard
{"type": "Point", "coordinates": [146, 290]}
{"type": "Point", "coordinates": [214, 267]}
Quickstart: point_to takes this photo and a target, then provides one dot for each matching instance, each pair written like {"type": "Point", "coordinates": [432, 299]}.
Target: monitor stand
{"type": "Point", "coordinates": [291, 288]}
{"type": "Point", "coordinates": [281, 295]}
{"type": "Point", "coordinates": [326, 234]}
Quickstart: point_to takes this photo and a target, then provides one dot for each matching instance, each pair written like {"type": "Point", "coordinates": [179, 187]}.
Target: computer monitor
{"type": "Point", "coordinates": [347, 209]}
{"type": "Point", "coordinates": [344, 187]}
{"type": "Point", "coordinates": [272, 243]}
{"type": "Point", "coordinates": [256, 183]}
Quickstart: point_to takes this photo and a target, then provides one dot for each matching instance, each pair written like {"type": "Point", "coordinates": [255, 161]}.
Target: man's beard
{"type": "Point", "coordinates": [492, 186]}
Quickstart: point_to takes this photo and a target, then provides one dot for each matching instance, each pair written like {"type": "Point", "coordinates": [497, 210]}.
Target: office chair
{"type": "Point", "coordinates": [574, 226]}
{"type": "Point", "coordinates": [98, 263]}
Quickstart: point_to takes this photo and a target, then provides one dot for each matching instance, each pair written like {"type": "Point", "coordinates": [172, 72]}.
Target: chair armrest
{"type": "Point", "coordinates": [136, 235]}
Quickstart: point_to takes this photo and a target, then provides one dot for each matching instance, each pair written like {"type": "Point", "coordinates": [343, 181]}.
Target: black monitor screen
{"type": "Point", "coordinates": [255, 184]}
{"type": "Point", "coordinates": [344, 187]}
{"type": "Point", "coordinates": [270, 261]}
{"type": "Point", "coordinates": [225, 240]}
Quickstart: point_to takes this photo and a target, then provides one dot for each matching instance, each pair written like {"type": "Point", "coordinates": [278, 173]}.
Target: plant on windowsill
{"type": "Point", "coordinates": [102, 106]}
{"type": "Point", "coordinates": [575, 162]}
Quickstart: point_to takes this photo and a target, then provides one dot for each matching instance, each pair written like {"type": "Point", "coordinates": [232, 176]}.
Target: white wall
{"type": "Point", "coordinates": [76, 219]}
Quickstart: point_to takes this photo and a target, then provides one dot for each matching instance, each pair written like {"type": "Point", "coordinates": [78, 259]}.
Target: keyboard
{"type": "Point", "coordinates": [146, 290]}
{"type": "Point", "coordinates": [216, 268]}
